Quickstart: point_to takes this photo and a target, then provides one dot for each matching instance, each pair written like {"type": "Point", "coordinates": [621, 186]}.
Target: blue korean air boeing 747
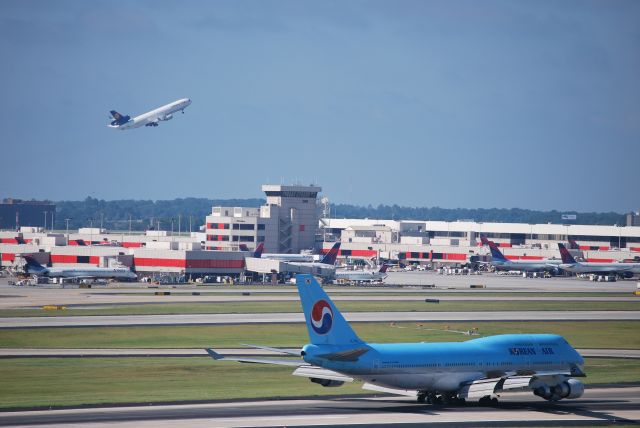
{"type": "Point", "coordinates": [479, 369]}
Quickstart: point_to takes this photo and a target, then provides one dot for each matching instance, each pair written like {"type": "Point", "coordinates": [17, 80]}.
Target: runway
{"type": "Point", "coordinates": [412, 283]}
{"type": "Point", "coordinates": [200, 352]}
{"type": "Point", "coordinates": [280, 318]}
{"type": "Point", "coordinates": [598, 406]}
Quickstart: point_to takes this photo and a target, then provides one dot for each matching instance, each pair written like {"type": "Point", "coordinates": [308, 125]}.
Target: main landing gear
{"type": "Point", "coordinates": [430, 397]}
{"type": "Point", "coordinates": [488, 401]}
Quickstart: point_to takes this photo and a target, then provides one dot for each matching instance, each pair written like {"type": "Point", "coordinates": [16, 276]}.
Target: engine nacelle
{"type": "Point", "coordinates": [627, 275]}
{"type": "Point", "coordinates": [326, 382]}
{"type": "Point", "coordinates": [167, 117]}
{"type": "Point", "coordinates": [569, 389]}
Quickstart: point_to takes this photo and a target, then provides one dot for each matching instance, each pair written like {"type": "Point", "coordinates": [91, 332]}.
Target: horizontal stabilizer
{"type": "Point", "coordinates": [405, 392]}
{"type": "Point", "coordinates": [320, 373]}
{"type": "Point", "coordinates": [350, 355]}
{"type": "Point", "coordinates": [217, 356]}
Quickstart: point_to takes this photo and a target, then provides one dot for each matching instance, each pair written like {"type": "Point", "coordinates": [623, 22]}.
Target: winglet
{"type": "Point", "coordinates": [213, 354]}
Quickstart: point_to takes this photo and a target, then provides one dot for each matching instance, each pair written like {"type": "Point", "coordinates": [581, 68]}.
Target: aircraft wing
{"type": "Point", "coordinates": [279, 350]}
{"type": "Point", "coordinates": [213, 354]}
{"type": "Point", "coordinates": [316, 372]}
{"type": "Point", "coordinates": [350, 355]}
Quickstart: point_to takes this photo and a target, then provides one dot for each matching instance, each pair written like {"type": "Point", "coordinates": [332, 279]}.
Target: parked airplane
{"type": "Point", "coordinates": [150, 118]}
{"type": "Point", "coordinates": [500, 262]}
{"type": "Point", "coordinates": [433, 372]}
{"type": "Point", "coordinates": [275, 256]}
{"type": "Point", "coordinates": [362, 275]}
{"type": "Point", "coordinates": [626, 270]}
{"type": "Point", "coordinates": [328, 260]}
{"type": "Point", "coordinates": [34, 268]}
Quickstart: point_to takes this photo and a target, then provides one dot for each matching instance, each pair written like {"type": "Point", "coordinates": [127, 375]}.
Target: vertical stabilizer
{"type": "Point", "coordinates": [325, 323]}
{"type": "Point", "coordinates": [259, 249]}
{"type": "Point", "coordinates": [332, 255]}
{"type": "Point", "coordinates": [495, 252]}
{"type": "Point", "coordinates": [567, 258]}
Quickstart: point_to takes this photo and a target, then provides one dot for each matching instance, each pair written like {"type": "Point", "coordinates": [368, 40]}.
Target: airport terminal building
{"type": "Point", "coordinates": [290, 222]}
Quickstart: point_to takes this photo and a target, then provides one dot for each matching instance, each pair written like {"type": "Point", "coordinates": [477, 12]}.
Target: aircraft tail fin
{"type": "Point", "coordinates": [495, 252]}
{"type": "Point", "coordinates": [383, 268]}
{"type": "Point", "coordinates": [325, 323]}
{"type": "Point", "coordinates": [565, 254]}
{"type": "Point", "coordinates": [573, 245]}
{"type": "Point", "coordinates": [20, 240]}
{"type": "Point", "coordinates": [118, 119]}
{"type": "Point", "coordinates": [484, 240]}
{"type": "Point", "coordinates": [259, 249]}
{"type": "Point", "coordinates": [33, 266]}
{"type": "Point", "coordinates": [332, 255]}
{"type": "Point", "coordinates": [243, 247]}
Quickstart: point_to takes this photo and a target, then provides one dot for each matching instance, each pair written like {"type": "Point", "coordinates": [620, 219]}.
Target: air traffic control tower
{"type": "Point", "coordinates": [287, 223]}
{"type": "Point", "coordinates": [290, 216]}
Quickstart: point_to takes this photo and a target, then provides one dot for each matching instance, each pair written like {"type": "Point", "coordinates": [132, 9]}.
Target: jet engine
{"type": "Point", "coordinates": [167, 117]}
{"type": "Point", "coordinates": [326, 382]}
{"type": "Point", "coordinates": [569, 389]}
{"type": "Point", "coordinates": [627, 275]}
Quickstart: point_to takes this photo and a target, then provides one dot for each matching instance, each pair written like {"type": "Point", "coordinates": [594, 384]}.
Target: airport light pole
{"type": "Point", "coordinates": [67, 221]}
{"type": "Point", "coordinates": [45, 220]}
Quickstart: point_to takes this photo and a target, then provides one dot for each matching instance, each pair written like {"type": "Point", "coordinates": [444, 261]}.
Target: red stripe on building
{"type": "Point", "coordinates": [584, 247]}
{"type": "Point", "coordinates": [8, 241]}
{"type": "Point", "coordinates": [364, 253]}
{"type": "Point", "coordinates": [132, 244]}
{"type": "Point", "coordinates": [194, 264]}
{"type": "Point", "coordinates": [503, 245]}
{"type": "Point", "coordinates": [63, 258]}
{"type": "Point", "coordinates": [531, 258]}
{"type": "Point", "coordinates": [455, 256]}
{"type": "Point", "coordinates": [215, 264]}
{"type": "Point", "coordinates": [147, 261]}
{"type": "Point", "coordinates": [635, 249]}
{"type": "Point", "coordinates": [604, 248]}
{"type": "Point", "coordinates": [512, 257]}
{"type": "Point", "coordinates": [8, 257]}
{"type": "Point", "coordinates": [591, 260]}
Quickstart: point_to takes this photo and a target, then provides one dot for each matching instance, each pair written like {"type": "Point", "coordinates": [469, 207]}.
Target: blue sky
{"type": "Point", "coordinates": [531, 104]}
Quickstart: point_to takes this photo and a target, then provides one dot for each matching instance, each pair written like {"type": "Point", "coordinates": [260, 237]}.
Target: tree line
{"type": "Point", "coordinates": [148, 214]}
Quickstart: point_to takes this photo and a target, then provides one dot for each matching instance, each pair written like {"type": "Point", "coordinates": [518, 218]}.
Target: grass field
{"type": "Point", "coordinates": [586, 334]}
{"type": "Point", "coordinates": [346, 306]}
{"type": "Point", "coordinates": [72, 381]}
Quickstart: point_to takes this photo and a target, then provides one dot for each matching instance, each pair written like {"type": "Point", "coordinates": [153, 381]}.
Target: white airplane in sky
{"type": "Point", "coordinates": [150, 118]}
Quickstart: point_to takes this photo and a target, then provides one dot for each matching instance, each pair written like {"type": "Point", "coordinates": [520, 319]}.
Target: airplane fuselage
{"type": "Point", "coordinates": [360, 276]}
{"type": "Point", "coordinates": [89, 272]}
{"type": "Point", "coordinates": [447, 366]}
{"type": "Point", "coordinates": [612, 268]}
{"type": "Point", "coordinates": [152, 117]}
{"type": "Point", "coordinates": [527, 265]}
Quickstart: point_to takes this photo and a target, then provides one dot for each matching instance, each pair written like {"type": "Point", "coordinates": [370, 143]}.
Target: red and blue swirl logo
{"type": "Point", "coordinates": [321, 317]}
